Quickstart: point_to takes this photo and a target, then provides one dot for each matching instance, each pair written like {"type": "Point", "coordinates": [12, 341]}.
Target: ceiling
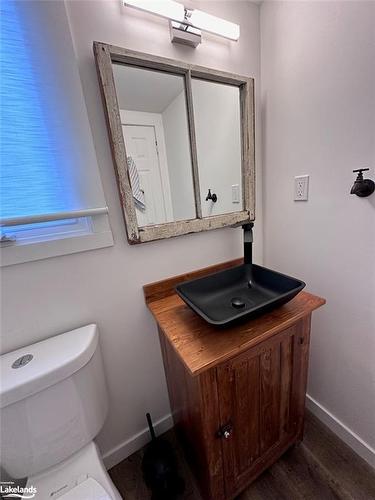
{"type": "Point", "coordinates": [140, 89]}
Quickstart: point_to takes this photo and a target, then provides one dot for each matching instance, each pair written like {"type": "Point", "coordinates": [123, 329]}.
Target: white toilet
{"type": "Point", "coordinates": [53, 402]}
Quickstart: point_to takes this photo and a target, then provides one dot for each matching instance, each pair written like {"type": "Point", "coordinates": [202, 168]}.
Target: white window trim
{"type": "Point", "coordinates": [96, 233]}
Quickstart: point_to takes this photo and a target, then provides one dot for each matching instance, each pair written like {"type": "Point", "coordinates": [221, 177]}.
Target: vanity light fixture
{"type": "Point", "coordinates": [185, 23]}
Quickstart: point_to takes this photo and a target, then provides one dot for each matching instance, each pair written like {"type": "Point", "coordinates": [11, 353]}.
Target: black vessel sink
{"type": "Point", "coordinates": [240, 292]}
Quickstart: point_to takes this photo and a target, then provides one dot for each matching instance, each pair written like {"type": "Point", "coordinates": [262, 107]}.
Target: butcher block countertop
{"type": "Point", "coordinates": [200, 345]}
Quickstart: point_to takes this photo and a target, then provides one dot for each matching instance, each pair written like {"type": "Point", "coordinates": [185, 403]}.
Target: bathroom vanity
{"type": "Point", "coordinates": [237, 394]}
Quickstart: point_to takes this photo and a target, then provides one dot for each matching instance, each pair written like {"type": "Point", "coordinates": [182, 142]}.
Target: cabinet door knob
{"type": "Point", "coordinates": [225, 431]}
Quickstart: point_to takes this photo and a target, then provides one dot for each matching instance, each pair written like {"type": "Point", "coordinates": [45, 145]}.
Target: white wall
{"type": "Point", "coordinates": [177, 145]}
{"type": "Point", "coordinates": [218, 133]}
{"type": "Point", "coordinates": [318, 118]}
{"type": "Point", "coordinates": [46, 297]}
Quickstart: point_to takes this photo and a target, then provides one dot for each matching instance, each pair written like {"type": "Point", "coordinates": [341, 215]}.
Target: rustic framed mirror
{"type": "Point", "coordinates": [182, 140]}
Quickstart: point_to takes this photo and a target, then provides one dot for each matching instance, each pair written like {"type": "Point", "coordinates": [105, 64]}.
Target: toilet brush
{"type": "Point", "coordinates": [160, 470]}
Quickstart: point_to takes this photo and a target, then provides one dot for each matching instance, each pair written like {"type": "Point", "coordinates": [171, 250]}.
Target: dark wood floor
{"type": "Point", "coordinates": [320, 468]}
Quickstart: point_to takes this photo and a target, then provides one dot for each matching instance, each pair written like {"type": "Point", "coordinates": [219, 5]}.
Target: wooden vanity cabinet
{"type": "Point", "coordinates": [237, 395]}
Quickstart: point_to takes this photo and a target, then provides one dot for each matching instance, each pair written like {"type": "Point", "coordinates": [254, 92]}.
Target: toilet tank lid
{"type": "Point", "coordinates": [53, 360]}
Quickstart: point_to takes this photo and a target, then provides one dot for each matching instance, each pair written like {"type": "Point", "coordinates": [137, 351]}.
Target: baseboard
{"type": "Point", "coordinates": [349, 437]}
{"type": "Point", "coordinates": [136, 442]}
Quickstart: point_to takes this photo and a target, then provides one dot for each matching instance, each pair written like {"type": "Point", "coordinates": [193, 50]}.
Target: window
{"type": "Point", "coordinates": [52, 200]}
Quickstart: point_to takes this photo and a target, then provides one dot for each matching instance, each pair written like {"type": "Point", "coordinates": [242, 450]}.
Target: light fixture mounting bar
{"type": "Point", "coordinates": [175, 11]}
{"type": "Point", "coordinates": [185, 34]}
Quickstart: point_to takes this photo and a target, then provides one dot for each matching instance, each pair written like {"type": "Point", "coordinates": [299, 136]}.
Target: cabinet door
{"type": "Point", "coordinates": [262, 397]}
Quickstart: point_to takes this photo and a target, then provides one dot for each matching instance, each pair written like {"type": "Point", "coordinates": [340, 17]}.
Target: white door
{"type": "Point", "coordinates": [140, 141]}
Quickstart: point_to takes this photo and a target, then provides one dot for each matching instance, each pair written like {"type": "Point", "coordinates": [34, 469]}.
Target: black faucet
{"type": "Point", "coordinates": [248, 243]}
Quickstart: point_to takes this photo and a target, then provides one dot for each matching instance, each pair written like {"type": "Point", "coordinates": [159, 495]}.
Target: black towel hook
{"type": "Point", "coordinates": [362, 187]}
{"type": "Point", "coordinates": [211, 197]}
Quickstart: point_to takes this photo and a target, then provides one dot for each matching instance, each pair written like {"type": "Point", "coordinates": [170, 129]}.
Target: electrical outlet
{"type": "Point", "coordinates": [235, 193]}
{"type": "Point", "coordinates": [301, 188]}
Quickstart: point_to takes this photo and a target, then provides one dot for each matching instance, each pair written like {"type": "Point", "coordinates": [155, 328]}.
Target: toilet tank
{"type": "Point", "coordinates": [53, 401]}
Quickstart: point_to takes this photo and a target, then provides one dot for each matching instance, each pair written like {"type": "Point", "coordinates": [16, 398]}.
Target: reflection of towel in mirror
{"type": "Point", "coordinates": [138, 194]}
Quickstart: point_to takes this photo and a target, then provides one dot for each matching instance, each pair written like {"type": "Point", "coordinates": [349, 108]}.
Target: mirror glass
{"type": "Point", "coordinates": [218, 135]}
{"type": "Point", "coordinates": [154, 122]}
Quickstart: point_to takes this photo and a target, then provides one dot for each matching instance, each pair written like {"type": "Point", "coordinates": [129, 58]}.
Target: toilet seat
{"type": "Point", "coordinates": [87, 490]}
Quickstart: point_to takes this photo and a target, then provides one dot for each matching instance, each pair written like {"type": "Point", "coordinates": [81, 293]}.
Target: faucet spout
{"type": "Point", "coordinates": [248, 242]}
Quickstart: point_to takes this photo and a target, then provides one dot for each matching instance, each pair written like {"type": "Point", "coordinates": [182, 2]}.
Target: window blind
{"type": "Point", "coordinates": [48, 163]}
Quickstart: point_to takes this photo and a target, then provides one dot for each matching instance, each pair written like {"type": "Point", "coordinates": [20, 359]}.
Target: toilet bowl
{"type": "Point", "coordinates": [53, 403]}
{"type": "Point", "coordinates": [80, 477]}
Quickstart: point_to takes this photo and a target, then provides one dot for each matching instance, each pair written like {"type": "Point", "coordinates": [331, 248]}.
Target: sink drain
{"type": "Point", "coordinates": [237, 302]}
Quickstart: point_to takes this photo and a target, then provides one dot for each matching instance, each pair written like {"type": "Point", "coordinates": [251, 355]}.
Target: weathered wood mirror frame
{"type": "Point", "coordinates": [105, 55]}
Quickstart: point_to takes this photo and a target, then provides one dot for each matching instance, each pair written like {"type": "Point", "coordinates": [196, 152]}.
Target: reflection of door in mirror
{"type": "Point", "coordinates": [218, 135]}
{"type": "Point", "coordinates": [145, 144]}
{"type": "Point", "coordinates": [155, 128]}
